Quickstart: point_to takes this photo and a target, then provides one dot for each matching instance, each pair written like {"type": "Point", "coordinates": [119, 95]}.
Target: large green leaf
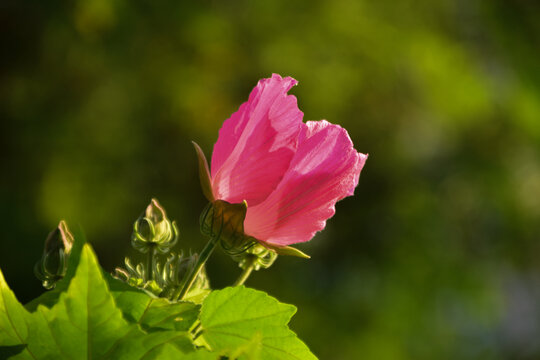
{"type": "Point", "coordinates": [238, 317]}
{"type": "Point", "coordinates": [132, 301]}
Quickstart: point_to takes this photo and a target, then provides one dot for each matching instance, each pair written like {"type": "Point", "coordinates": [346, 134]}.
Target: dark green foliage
{"type": "Point", "coordinates": [93, 316]}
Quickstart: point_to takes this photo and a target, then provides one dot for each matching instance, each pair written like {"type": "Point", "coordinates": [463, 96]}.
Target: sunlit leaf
{"type": "Point", "coordinates": [234, 316]}
{"type": "Point", "coordinates": [13, 323]}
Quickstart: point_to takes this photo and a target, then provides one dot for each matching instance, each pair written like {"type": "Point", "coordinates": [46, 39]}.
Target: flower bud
{"type": "Point", "coordinates": [53, 263]}
{"type": "Point", "coordinates": [154, 229]}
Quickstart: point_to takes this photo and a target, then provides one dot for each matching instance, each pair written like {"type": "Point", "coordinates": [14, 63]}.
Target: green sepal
{"type": "Point", "coordinates": [225, 221]}
{"type": "Point", "coordinates": [286, 250]}
{"type": "Point", "coordinates": [204, 173]}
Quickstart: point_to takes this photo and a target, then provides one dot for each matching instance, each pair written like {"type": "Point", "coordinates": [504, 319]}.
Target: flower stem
{"type": "Point", "coordinates": [250, 265]}
{"type": "Point", "coordinates": [205, 254]}
{"type": "Point", "coordinates": [150, 262]}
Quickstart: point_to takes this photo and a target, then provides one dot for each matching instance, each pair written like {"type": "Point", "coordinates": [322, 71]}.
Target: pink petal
{"type": "Point", "coordinates": [256, 144]}
{"type": "Point", "coordinates": [325, 169]}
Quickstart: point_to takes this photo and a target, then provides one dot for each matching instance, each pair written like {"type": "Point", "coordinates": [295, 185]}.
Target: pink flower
{"type": "Point", "coordinates": [290, 173]}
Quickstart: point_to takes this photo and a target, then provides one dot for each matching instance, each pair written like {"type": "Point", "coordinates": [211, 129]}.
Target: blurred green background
{"type": "Point", "coordinates": [437, 254]}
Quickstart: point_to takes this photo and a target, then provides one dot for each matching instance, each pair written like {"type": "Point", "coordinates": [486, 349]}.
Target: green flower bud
{"type": "Point", "coordinates": [53, 263]}
{"type": "Point", "coordinates": [154, 230]}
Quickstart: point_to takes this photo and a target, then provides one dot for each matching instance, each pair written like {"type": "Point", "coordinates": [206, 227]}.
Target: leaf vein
{"type": "Point", "coordinates": [52, 335]}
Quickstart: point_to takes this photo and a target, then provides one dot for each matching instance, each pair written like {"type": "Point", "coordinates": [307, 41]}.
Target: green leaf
{"type": "Point", "coordinates": [13, 325]}
{"type": "Point", "coordinates": [131, 301]}
{"type": "Point", "coordinates": [251, 350]}
{"type": "Point", "coordinates": [138, 345]}
{"type": "Point", "coordinates": [233, 317]}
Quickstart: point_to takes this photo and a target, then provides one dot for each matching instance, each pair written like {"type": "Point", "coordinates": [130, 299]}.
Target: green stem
{"type": "Point", "coordinates": [205, 254]}
{"type": "Point", "coordinates": [250, 265]}
{"type": "Point", "coordinates": [154, 259]}
{"type": "Point", "coordinates": [150, 262]}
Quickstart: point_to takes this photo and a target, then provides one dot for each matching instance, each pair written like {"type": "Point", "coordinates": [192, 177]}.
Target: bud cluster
{"type": "Point", "coordinates": [176, 276]}
{"type": "Point", "coordinates": [166, 279]}
{"type": "Point", "coordinates": [154, 234]}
